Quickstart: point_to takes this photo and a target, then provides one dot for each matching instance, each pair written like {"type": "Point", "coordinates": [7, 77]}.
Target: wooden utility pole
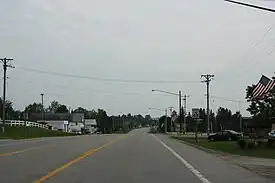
{"type": "Point", "coordinates": [208, 78]}
{"type": "Point", "coordinates": [184, 112]}
{"type": "Point", "coordinates": [6, 64]}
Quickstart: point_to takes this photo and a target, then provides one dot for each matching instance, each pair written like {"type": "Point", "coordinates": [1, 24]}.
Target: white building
{"type": "Point", "coordinates": [91, 125]}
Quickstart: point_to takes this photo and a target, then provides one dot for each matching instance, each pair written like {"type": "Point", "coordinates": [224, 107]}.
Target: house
{"type": "Point", "coordinates": [254, 127]}
{"type": "Point", "coordinates": [68, 122]}
{"type": "Point", "coordinates": [59, 125]}
{"type": "Point", "coordinates": [91, 125]}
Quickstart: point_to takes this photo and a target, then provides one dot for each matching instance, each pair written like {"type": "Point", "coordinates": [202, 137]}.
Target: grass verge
{"type": "Point", "coordinates": [230, 147]}
{"type": "Point", "coordinates": [18, 132]}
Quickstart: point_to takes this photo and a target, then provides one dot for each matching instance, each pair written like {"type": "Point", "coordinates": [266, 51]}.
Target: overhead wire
{"type": "Point", "coordinates": [253, 60]}
{"type": "Point", "coordinates": [80, 89]}
{"type": "Point", "coordinates": [227, 99]}
{"type": "Point", "coordinates": [103, 79]}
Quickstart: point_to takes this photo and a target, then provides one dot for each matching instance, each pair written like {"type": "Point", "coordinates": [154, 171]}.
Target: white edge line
{"type": "Point", "coordinates": [189, 166]}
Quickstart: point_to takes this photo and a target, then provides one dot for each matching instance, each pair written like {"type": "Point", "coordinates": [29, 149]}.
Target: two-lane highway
{"type": "Point", "coordinates": [134, 157]}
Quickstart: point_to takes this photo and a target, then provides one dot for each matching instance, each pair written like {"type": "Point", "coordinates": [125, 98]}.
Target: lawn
{"type": "Point", "coordinates": [231, 147]}
{"type": "Point", "coordinates": [18, 132]}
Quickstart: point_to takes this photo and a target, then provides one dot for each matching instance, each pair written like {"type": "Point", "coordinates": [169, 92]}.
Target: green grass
{"type": "Point", "coordinates": [18, 132]}
{"type": "Point", "coordinates": [231, 147]}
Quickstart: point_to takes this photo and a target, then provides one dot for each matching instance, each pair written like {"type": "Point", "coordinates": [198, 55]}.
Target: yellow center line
{"type": "Point", "coordinates": [84, 155]}
{"type": "Point", "coordinates": [20, 151]}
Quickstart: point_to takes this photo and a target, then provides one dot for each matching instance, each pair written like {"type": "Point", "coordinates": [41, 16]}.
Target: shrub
{"type": "Point", "coordinates": [259, 143]}
{"type": "Point", "coordinates": [270, 142]}
{"type": "Point", "coordinates": [242, 143]}
{"type": "Point", "coordinates": [251, 144]}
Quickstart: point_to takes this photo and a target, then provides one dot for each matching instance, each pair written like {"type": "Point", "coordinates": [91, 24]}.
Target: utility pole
{"type": "Point", "coordinates": [165, 124]}
{"type": "Point", "coordinates": [6, 64]}
{"type": "Point", "coordinates": [180, 111]}
{"type": "Point", "coordinates": [208, 78]}
{"type": "Point", "coordinates": [42, 111]}
{"type": "Point", "coordinates": [170, 109]}
{"type": "Point", "coordinates": [241, 126]}
{"type": "Point", "coordinates": [185, 109]}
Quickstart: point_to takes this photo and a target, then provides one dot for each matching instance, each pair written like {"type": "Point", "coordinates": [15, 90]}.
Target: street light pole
{"type": "Point", "coordinates": [180, 98]}
{"type": "Point", "coordinates": [165, 121]}
{"type": "Point", "coordinates": [42, 111]}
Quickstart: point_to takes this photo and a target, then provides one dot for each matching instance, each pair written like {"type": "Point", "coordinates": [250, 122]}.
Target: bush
{"type": "Point", "coordinates": [251, 144]}
{"type": "Point", "coordinates": [242, 143]}
{"type": "Point", "coordinates": [259, 143]}
{"type": "Point", "coordinates": [270, 142]}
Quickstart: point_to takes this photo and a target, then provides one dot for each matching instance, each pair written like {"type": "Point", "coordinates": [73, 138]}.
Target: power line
{"type": "Point", "coordinates": [253, 60]}
{"type": "Point", "coordinates": [227, 99]}
{"type": "Point", "coordinates": [104, 79]}
{"type": "Point", "coordinates": [252, 6]}
{"type": "Point", "coordinates": [80, 89]}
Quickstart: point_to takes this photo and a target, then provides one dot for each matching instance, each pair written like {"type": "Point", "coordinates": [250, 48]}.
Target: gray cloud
{"type": "Point", "coordinates": [154, 40]}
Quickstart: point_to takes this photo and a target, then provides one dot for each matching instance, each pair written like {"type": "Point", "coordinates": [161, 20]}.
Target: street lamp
{"type": "Point", "coordinates": [184, 98]}
{"type": "Point", "coordinates": [42, 111]}
{"type": "Point", "coordinates": [165, 122]}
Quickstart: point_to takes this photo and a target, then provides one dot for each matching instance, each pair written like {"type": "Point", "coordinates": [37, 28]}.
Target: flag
{"type": "Point", "coordinates": [263, 87]}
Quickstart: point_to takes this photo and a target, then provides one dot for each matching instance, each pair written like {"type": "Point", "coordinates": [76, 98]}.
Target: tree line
{"type": "Point", "coordinates": [105, 123]}
{"type": "Point", "coordinates": [223, 119]}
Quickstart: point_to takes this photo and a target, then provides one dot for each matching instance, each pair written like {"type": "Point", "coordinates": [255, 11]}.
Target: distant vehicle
{"type": "Point", "coordinates": [272, 133]}
{"type": "Point", "coordinates": [153, 129]}
{"type": "Point", "coordinates": [225, 135]}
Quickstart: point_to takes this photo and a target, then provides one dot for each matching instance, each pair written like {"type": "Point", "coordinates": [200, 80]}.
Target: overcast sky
{"type": "Point", "coordinates": [134, 40]}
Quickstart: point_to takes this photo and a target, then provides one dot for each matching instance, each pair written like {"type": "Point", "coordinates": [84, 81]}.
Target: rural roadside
{"type": "Point", "coordinates": [262, 166]}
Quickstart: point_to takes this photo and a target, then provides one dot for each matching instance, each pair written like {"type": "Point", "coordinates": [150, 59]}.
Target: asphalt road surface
{"type": "Point", "coordinates": [137, 157]}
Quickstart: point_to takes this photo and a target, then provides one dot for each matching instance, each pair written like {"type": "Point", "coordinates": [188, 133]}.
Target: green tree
{"type": "Point", "coordinates": [224, 118]}
{"type": "Point", "coordinates": [148, 117]}
{"type": "Point", "coordinates": [10, 111]}
{"type": "Point", "coordinates": [34, 108]}
{"type": "Point", "coordinates": [104, 122]}
{"type": "Point", "coordinates": [91, 114]}
{"type": "Point", "coordinates": [53, 107]}
{"type": "Point", "coordinates": [263, 109]}
{"type": "Point", "coordinates": [80, 110]}
{"type": "Point", "coordinates": [62, 109]}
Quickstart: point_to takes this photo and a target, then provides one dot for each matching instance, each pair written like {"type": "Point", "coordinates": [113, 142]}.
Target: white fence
{"type": "Point", "coordinates": [28, 123]}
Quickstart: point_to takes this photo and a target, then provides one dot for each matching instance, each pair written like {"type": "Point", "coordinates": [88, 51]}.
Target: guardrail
{"type": "Point", "coordinates": [28, 123]}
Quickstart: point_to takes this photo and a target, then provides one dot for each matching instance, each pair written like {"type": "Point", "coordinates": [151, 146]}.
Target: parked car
{"type": "Point", "coordinates": [225, 135]}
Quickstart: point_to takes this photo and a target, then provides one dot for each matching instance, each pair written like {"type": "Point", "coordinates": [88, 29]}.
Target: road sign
{"type": "Point", "coordinates": [196, 113]}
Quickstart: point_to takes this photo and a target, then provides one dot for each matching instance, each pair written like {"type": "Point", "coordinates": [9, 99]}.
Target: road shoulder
{"type": "Point", "coordinates": [261, 166]}
{"type": "Point", "coordinates": [212, 166]}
